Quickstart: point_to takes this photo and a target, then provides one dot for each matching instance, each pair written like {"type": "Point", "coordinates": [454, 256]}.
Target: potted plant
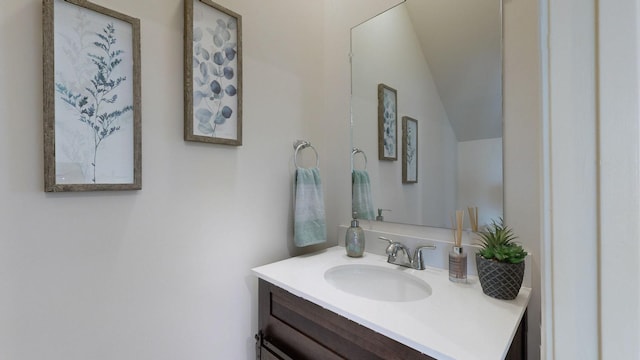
{"type": "Point", "coordinates": [500, 262]}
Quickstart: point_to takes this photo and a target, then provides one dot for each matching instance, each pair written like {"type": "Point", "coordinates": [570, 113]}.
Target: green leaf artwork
{"type": "Point", "coordinates": [215, 84]}
{"type": "Point", "coordinates": [97, 104]}
{"type": "Point", "coordinates": [389, 105]}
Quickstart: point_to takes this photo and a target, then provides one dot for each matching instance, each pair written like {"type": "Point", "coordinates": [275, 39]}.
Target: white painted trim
{"type": "Point", "coordinates": [591, 179]}
{"type": "Point", "coordinates": [570, 198]}
{"type": "Point", "coordinates": [619, 89]}
{"type": "Point", "coordinates": [546, 278]}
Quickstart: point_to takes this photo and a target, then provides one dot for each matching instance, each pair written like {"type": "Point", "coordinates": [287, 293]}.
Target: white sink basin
{"type": "Point", "coordinates": [377, 282]}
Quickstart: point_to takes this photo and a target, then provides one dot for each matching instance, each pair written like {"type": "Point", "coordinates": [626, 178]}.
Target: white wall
{"type": "Point", "coordinates": [334, 130]}
{"type": "Point", "coordinates": [522, 142]}
{"type": "Point", "coordinates": [480, 179]}
{"type": "Point", "coordinates": [376, 49]}
{"type": "Point", "coordinates": [161, 273]}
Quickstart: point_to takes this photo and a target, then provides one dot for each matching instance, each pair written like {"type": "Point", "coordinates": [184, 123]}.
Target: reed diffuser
{"type": "Point", "coordinates": [457, 257]}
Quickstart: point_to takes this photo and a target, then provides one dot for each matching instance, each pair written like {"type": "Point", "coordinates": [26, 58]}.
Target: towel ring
{"type": "Point", "coordinates": [358, 151]}
{"type": "Point", "coordinates": [302, 144]}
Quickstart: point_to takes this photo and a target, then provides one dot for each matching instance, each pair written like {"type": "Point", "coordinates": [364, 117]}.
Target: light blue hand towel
{"type": "Point", "coordinates": [361, 201]}
{"type": "Point", "coordinates": [309, 218]}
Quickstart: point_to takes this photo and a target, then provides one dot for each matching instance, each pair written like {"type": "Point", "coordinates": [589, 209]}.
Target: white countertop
{"type": "Point", "coordinates": [458, 321]}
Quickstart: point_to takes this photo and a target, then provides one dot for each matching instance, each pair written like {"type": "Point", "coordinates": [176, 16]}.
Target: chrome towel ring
{"type": "Point", "coordinates": [358, 151]}
{"type": "Point", "coordinates": [302, 144]}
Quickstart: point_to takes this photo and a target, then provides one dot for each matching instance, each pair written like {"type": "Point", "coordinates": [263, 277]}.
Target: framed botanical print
{"type": "Point", "coordinates": [409, 150]}
{"type": "Point", "coordinates": [92, 113]}
{"type": "Point", "coordinates": [387, 123]}
{"type": "Point", "coordinates": [212, 73]}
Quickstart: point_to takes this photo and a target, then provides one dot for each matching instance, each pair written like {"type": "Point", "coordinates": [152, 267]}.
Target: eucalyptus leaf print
{"type": "Point", "coordinates": [389, 124]}
{"type": "Point", "coordinates": [215, 79]}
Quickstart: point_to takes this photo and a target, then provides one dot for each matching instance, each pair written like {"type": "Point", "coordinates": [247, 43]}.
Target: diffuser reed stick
{"type": "Point", "coordinates": [454, 229]}
{"type": "Point", "coordinates": [473, 218]}
{"type": "Point", "coordinates": [459, 222]}
{"type": "Point", "coordinates": [476, 220]}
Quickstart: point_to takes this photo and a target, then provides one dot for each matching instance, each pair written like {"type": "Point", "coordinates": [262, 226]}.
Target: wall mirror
{"type": "Point", "coordinates": [443, 59]}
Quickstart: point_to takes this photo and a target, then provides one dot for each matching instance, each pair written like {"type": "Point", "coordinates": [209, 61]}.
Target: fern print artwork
{"type": "Point", "coordinates": [410, 150]}
{"type": "Point", "coordinates": [94, 97]}
{"type": "Point", "coordinates": [215, 73]}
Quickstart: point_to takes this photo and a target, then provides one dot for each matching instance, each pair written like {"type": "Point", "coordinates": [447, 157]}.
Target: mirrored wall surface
{"type": "Point", "coordinates": [443, 61]}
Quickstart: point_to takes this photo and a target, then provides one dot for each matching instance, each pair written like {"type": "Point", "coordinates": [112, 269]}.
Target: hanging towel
{"type": "Point", "coordinates": [309, 219]}
{"type": "Point", "coordinates": [361, 201]}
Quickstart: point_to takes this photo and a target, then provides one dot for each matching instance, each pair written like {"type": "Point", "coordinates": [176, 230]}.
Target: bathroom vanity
{"type": "Point", "coordinates": [311, 307]}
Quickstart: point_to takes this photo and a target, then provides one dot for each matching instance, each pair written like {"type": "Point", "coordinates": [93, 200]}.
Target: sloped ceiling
{"type": "Point", "coordinates": [461, 41]}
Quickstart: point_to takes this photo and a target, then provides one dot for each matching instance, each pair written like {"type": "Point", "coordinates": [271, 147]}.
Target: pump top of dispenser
{"type": "Point", "coordinates": [354, 220]}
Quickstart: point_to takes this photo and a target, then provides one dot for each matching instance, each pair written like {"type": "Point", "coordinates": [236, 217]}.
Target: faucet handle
{"type": "Point", "coordinates": [392, 248]}
{"type": "Point", "coordinates": [386, 239]}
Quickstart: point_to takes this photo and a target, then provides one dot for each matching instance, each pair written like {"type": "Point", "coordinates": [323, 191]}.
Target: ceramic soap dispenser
{"type": "Point", "coordinates": [354, 240]}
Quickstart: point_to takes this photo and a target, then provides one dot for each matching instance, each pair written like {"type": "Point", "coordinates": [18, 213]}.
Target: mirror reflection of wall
{"type": "Point", "coordinates": [443, 58]}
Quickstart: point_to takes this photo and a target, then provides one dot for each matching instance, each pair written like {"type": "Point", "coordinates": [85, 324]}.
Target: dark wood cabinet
{"type": "Point", "coordinates": [294, 328]}
{"type": "Point", "coordinates": [300, 329]}
{"type": "Point", "coordinates": [518, 348]}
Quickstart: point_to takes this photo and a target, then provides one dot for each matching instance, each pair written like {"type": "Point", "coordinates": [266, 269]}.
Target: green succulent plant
{"type": "Point", "coordinates": [497, 243]}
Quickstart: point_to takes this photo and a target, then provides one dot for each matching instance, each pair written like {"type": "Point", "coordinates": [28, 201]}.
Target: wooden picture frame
{"type": "Point", "coordinates": [387, 123]}
{"type": "Point", "coordinates": [91, 87]}
{"type": "Point", "coordinates": [212, 73]}
{"type": "Point", "coordinates": [409, 150]}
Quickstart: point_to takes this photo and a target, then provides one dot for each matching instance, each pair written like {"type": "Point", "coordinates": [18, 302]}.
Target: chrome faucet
{"type": "Point", "coordinates": [415, 262]}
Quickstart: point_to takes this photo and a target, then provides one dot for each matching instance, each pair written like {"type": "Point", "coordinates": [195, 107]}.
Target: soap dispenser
{"type": "Point", "coordinates": [380, 217]}
{"type": "Point", "coordinates": [354, 240]}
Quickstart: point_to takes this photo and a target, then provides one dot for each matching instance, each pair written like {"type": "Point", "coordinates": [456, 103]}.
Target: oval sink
{"type": "Point", "coordinates": [377, 283]}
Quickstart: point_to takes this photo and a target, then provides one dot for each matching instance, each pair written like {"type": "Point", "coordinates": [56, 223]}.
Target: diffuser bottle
{"type": "Point", "coordinates": [458, 265]}
{"type": "Point", "coordinates": [354, 240]}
